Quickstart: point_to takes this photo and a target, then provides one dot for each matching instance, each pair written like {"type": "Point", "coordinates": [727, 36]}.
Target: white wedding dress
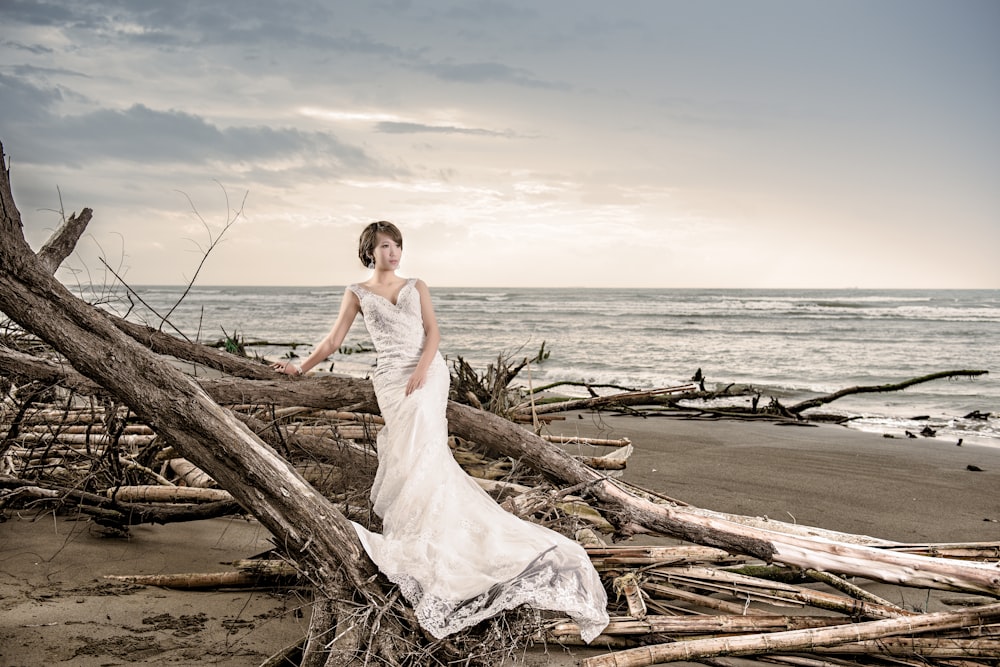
{"type": "Point", "coordinates": [457, 556]}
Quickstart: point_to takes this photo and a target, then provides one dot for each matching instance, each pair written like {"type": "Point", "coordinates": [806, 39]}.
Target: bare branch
{"type": "Point", "coordinates": [212, 241]}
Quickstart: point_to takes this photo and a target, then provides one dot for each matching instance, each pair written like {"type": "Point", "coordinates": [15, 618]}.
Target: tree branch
{"type": "Point", "coordinates": [871, 389]}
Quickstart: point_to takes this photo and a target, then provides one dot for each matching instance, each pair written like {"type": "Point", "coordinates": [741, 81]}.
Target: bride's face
{"type": "Point", "coordinates": [387, 252]}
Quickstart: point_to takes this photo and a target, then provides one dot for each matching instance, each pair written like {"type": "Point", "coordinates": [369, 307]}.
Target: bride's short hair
{"type": "Point", "coordinates": [366, 244]}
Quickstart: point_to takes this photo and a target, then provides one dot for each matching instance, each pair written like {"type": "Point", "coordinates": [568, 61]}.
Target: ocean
{"type": "Point", "coordinates": [789, 344]}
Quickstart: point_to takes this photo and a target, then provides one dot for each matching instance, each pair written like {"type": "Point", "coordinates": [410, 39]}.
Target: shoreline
{"type": "Point", "coordinates": [822, 475]}
{"type": "Point", "coordinates": [56, 608]}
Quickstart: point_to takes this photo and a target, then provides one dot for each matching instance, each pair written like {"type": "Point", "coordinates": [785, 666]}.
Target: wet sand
{"type": "Point", "coordinates": [56, 608]}
{"type": "Point", "coordinates": [833, 477]}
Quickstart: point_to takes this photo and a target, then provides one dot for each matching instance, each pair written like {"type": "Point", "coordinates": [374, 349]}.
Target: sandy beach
{"type": "Point", "coordinates": [57, 609]}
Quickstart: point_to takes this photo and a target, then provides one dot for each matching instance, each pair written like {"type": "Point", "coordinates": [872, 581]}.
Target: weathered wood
{"type": "Point", "coordinates": [63, 242]}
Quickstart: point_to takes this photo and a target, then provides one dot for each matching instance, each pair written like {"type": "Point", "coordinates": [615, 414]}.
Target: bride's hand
{"type": "Point", "coordinates": [416, 381]}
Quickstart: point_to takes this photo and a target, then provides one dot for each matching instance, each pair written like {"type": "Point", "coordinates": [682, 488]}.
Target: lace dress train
{"type": "Point", "coordinates": [457, 556]}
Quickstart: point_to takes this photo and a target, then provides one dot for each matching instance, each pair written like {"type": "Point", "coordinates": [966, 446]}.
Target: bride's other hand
{"type": "Point", "coordinates": [286, 368]}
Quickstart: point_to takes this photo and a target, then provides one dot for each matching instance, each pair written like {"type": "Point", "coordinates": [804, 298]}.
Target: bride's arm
{"type": "Point", "coordinates": [349, 309]}
{"type": "Point", "coordinates": [432, 339]}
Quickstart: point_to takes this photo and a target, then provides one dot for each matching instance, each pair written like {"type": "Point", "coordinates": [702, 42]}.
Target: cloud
{"type": "Point", "coordinates": [396, 127]}
{"type": "Point", "coordinates": [31, 12]}
{"type": "Point", "coordinates": [23, 102]}
{"type": "Point", "coordinates": [34, 49]}
{"type": "Point", "coordinates": [148, 136]}
{"type": "Point", "coordinates": [487, 72]}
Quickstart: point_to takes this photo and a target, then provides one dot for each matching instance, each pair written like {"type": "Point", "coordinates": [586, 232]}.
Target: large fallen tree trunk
{"type": "Point", "coordinates": [770, 546]}
{"type": "Point", "coordinates": [305, 524]}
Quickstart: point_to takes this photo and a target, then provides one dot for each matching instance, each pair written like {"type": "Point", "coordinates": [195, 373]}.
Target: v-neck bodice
{"type": "Point", "coordinates": [396, 329]}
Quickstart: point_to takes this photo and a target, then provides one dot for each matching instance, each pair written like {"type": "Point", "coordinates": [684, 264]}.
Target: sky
{"type": "Point", "coordinates": [563, 143]}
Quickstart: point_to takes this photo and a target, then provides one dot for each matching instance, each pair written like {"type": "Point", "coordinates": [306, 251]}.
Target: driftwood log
{"type": "Point", "coordinates": [620, 399]}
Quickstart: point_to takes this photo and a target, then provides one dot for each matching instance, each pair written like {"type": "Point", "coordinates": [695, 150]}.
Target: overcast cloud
{"type": "Point", "coordinates": [662, 143]}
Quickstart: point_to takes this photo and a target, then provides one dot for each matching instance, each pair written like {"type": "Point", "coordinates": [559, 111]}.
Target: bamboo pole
{"type": "Point", "coordinates": [94, 439]}
{"type": "Point", "coordinates": [577, 440]}
{"type": "Point", "coordinates": [658, 590]}
{"type": "Point", "coordinates": [795, 640]}
{"type": "Point", "coordinates": [845, 586]}
{"type": "Point", "coordinates": [608, 557]}
{"type": "Point", "coordinates": [981, 551]}
{"type": "Point", "coordinates": [96, 415]}
{"type": "Point", "coordinates": [925, 647]}
{"type": "Point", "coordinates": [191, 581]}
{"type": "Point", "coordinates": [345, 431]}
{"type": "Point", "coordinates": [341, 415]}
{"type": "Point", "coordinates": [725, 581]}
{"type": "Point", "coordinates": [58, 427]}
{"type": "Point", "coordinates": [628, 585]}
{"type": "Point", "coordinates": [697, 625]}
{"type": "Point", "coordinates": [134, 465]}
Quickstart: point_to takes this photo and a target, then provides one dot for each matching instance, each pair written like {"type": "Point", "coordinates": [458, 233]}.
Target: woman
{"type": "Point", "coordinates": [457, 556]}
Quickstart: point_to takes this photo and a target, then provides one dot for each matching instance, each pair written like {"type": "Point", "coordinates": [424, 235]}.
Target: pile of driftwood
{"type": "Point", "coordinates": [682, 602]}
{"type": "Point", "coordinates": [123, 420]}
{"type": "Point", "coordinates": [99, 460]}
